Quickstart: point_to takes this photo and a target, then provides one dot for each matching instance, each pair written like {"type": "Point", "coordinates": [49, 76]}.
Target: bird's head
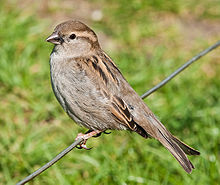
{"type": "Point", "coordinates": [73, 38]}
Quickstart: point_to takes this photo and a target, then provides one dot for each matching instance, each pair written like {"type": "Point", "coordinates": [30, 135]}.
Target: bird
{"type": "Point", "coordinates": [94, 93]}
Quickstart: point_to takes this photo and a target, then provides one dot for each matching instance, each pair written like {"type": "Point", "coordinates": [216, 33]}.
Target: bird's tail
{"type": "Point", "coordinates": [176, 147]}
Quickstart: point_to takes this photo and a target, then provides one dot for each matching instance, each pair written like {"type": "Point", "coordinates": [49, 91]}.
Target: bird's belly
{"type": "Point", "coordinates": [81, 100]}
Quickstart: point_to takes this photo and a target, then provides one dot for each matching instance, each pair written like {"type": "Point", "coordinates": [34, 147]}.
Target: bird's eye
{"type": "Point", "coordinates": [72, 36]}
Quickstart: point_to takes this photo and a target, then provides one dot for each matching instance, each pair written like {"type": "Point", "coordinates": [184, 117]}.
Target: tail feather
{"type": "Point", "coordinates": [177, 152]}
{"type": "Point", "coordinates": [176, 147]}
{"type": "Point", "coordinates": [187, 149]}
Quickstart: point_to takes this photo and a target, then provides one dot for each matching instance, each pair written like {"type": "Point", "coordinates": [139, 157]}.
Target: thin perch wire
{"type": "Point", "coordinates": [184, 66]}
{"type": "Point", "coordinates": [77, 142]}
{"type": "Point", "coordinates": [50, 163]}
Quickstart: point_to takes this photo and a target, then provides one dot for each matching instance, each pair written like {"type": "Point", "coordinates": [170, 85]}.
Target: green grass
{"type": "Point", "coordinates": [149, 40]}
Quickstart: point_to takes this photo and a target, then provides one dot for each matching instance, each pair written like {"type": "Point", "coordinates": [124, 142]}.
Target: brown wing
{"type": "Point", "coordinates": [120, 110]}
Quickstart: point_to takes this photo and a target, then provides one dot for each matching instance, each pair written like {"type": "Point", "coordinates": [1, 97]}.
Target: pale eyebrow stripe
{"type": "Point", "coordinates": [86, 34]}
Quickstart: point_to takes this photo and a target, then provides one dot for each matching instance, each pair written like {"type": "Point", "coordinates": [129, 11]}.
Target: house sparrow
{"type": "Point", "coordinates": [94, 93]}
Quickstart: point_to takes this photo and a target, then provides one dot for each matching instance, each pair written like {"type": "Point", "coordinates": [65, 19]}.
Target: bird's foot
{"type": "Point", "coordinates": [85, 137]}
{"type": "Point", "coordinates": [83, 146]}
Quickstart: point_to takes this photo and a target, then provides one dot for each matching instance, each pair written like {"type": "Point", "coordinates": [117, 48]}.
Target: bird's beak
{"type": "Point", "coordinates": [54, 38]}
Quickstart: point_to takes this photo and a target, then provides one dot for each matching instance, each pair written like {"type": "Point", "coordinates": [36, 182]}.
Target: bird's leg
{"type": "Point", "coordinates": [85, 137]}
{"type": "Point", "coordinates": [97, 135]}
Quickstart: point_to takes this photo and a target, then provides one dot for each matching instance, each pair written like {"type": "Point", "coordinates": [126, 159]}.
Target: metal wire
{"type": "Point", "coordinates": [184, 66]}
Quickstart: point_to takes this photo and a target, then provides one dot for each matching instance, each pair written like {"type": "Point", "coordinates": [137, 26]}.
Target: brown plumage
{"type": "Point", "coordinates": [94, 93]}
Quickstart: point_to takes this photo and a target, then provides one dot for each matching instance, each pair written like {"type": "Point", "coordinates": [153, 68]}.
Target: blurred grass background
{"type": "Point", "coordinates": [148, 40]}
